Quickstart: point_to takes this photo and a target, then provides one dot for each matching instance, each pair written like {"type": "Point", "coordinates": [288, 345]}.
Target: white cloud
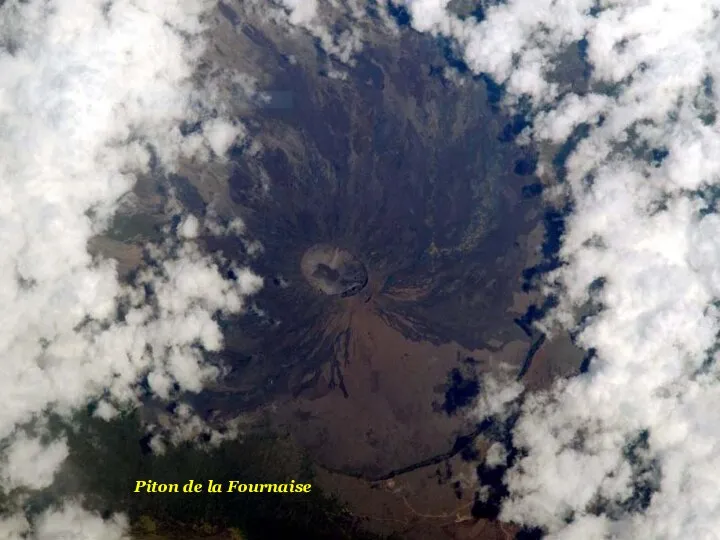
{"type": "Point", "coordinates": [336, 24]}
{"type": "Point", "coordinates": [30, 463]}
{"type": "Point", "coordinates": [301, 11]}
{"type": "Point", "coordinates": [106, 411]}
{"type": "Point", "coordinates": [639, 227]}
{"type": "Point", "coordinates": [189, 227]}
{"type": "Point", "coordinates": [185, 425]}
{"type": "Point", "coordinates": [496, 455]}
{"type": "Point", "coordinates": [497, 396]}
{"type": "Point", "coordinates": [69, 522]}
{"type": "Point", "coordinates": [13, 527]}
{"type": "Point", "coordinates": [221, 135]}
{"type": "Point", "coordinates": [86, 89]}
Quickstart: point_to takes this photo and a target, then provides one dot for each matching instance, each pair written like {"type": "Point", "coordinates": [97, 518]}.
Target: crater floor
{"type": "Point", "coordinates": [333, 271]}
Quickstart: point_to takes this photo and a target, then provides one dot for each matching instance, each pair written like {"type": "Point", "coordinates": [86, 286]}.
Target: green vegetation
{"type": "Point", "coordinates": [106, 459]}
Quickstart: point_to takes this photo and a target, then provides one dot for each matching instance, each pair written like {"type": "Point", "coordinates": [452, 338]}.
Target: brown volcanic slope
{"type": "Point", "coordinates": [380, 403]}
{"type": "Point", "coordinates": [353, 410]}
{"type": "Point", "coordinates": [416, 180]}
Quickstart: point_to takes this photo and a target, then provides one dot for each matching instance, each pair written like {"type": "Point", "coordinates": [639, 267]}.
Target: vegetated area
{"type": "Point", "coordinates": [107, 458]}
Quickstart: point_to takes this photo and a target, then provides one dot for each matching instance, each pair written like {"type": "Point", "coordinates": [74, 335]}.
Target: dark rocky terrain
{"type": "Point", "coordinates": [407, 172]}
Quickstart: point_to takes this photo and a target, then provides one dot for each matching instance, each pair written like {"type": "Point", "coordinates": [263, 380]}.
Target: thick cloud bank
{"type": "Point", "coordinates": [91, 93]}
{"type": "Point", "coordinates": [631, 449]}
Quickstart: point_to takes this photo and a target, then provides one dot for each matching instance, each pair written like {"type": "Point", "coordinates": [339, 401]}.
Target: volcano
{"type": "Point", "coordinates": [395, 223]}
